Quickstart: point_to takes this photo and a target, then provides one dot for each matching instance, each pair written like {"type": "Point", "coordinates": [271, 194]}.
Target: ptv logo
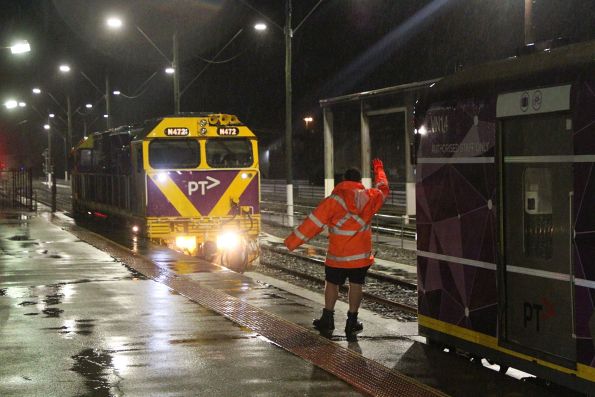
{"type": "Point", "coordinates": [210, 183]}
{"type": "Point", "coordinates": [534, 312]}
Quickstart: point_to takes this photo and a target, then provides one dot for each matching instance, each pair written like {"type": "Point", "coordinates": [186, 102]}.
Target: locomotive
{"type": "Point", "coordinates": [505, 221]}
{"type": "Point", "coordinates": [190, 182]}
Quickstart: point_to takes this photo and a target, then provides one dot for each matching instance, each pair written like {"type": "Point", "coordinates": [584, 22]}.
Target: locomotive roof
{"type": "Point", "coordinates": [185, 124]}
{"type": "Point", "coordinates": [557, 64]}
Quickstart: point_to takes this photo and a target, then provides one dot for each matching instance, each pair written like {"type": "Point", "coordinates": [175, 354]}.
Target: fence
{"type": "Point", "coordinates": [16, 189]}
{"type": "Point", "coordinates": [302, 190]}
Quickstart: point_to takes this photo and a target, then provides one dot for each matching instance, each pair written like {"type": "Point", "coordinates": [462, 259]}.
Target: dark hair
{"type": "Point", "coordinates": [352, 174]}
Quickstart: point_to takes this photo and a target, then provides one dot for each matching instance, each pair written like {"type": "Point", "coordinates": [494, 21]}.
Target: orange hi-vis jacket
{"type": "Point", "coordinates": [347, 213]}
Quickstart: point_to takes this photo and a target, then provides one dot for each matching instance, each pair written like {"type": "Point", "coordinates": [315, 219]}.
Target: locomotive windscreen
{"type": "Point", "coordinates": [174, 153]}
{"type": "Point", "coordinates": [229, 153]}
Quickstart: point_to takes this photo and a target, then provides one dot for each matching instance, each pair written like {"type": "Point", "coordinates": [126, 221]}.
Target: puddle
{"type": "Point", "coordinates": [55, 256]}
{"type": "Point", "coordinates": [2, 291]}
{"type": "Point", "coordinates": [27, 303]}
{"type": "Point", "coordinates": [31, 314]}
{"type": "Point", "coordinates": [52, 312]}
{"type": "Point", "coordinates": [19, 238]}
{"type": "Point", "coordinates": [97, 367]}
{"type": "Point", "coordinates": [53, 299]}
{"type": "Point", "coordinates": [29, 244]}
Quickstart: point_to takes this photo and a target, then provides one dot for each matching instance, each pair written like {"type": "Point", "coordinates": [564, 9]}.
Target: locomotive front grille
{"type": "Point", "coordinates": [162, 228]}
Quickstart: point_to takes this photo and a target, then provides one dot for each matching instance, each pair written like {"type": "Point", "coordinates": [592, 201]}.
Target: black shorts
{"type": "Point", "coordinates": [338, 276]}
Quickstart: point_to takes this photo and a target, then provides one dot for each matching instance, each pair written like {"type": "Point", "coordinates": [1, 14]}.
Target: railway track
{"type": "Point", "coordinates": [318, 278]}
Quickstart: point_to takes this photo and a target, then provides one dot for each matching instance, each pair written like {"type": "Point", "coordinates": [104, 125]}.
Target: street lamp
{"type": "Point", "coordinates": [48, 159]}
{"type": "Point", "coordinates": [308, 120]}
{"type": "Point", "coordinates": [11, 104]}
{"type": "Point", "coordinates": [116, 23]}
{"type": "Point", "coordinates": [20, 47]}
{"type": "Point", "coordinates": [66, 69]}
{"type": "Point", "coordinates": [260, 26]}
{"type": "Point", "coordinates": [36, 91]}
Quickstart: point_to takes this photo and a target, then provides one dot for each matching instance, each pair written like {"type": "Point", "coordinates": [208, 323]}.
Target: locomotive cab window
{"type": "Point", "coordinates": [174, 153]}
{"type": "Point", "coordinates": [229, 153]}
{"type": "Point", "coordinates": [85, 158]}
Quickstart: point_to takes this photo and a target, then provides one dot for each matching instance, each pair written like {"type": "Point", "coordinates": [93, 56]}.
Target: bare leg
{"type": "Point", "coordinates": [331, 294]}
{"type": "Point", "coordinates": [355, 297]}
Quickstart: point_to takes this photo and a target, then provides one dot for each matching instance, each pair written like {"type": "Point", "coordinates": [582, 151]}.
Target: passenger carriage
{"type": "Point", "coordinates": [506, 213]}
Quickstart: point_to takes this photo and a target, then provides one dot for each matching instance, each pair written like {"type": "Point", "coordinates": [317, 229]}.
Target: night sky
{"type": "Point", "coordinates": [345, 46]}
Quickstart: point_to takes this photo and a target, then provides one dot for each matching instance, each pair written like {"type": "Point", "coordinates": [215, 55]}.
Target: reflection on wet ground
{"type": "Point", "coordinates": [78, 327]}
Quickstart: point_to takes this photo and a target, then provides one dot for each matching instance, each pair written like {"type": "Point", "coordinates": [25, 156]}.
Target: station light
{"type": "Point", "coordinates": [46, 126]}
{"type": "Point", "coordinates": [36, 91]}
{"type": "Point", "coordinates": [105, 116]}
{"type": "Point", "coordinates": [11, 104]}
{"type": "Point", "coordinates": [135, 229]}
{"type": "Point", "coordinates": [260, 26]}
{"type": "Point", "coordinates": [21, 47]}
{"type": "Point", "coordinates": [170, 70]}
{"type": "Point", "coordinates": [52, 115]}
{"type": "Point", "coordinates": [114, 23]}
{"type": "Point", "coordinates": [308, 119]}
{"type": "Point", "coordinates": [116, 92]}
{"type": "Point", "coordinates": [64, 68]}
{"type": "Point", "coordinates": [22, 104]}
{"type": "Point", "coordinates": [88, 106]}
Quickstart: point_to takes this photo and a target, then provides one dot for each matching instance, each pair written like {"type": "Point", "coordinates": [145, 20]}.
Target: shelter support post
{"type": "Point", "coordinates": [329, 162]}
{"type": "Point", "coordinates": [365, 147]}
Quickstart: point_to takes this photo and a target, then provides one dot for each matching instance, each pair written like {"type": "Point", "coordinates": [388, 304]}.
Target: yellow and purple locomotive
{"type": "Point", "coordinates": [189, 182]}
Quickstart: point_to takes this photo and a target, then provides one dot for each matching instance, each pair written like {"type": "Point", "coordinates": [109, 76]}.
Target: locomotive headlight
{"type": "Point", "coordinates": [162, 177]}
{"type": "Point", "coordinates": [228, 240]}
{"type": "Point", "coordinates": [186, 243]}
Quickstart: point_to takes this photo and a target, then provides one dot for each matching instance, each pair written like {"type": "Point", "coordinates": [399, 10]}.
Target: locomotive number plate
{"type": "Point", "coordinates": [177, 131]}
{"type": "Point", "coordinates": [228, 131]}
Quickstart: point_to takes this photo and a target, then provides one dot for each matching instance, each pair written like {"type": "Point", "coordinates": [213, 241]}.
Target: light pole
{"type": "Point", "coordinates": [288, 32]}
{"type": "Point", "coordinates": [115, 23]}
{"type": "Point", "coordinates": [48, 158]}
{"type": "Point", "coordinates": [66, 69]}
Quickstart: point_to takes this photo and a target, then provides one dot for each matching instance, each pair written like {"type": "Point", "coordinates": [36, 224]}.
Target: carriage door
{"type": "Point", "coordinates": [537, 184]}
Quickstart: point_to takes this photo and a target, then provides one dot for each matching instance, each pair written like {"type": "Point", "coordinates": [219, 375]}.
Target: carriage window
{"type": "Point", "coordinates": [86, 158]}
{"type": "Point", "coordinates": [229, 152]}
{"type": "Point", "coordinates": [538, 239]}
{"type": "Point", "coordinates": [174, 153]}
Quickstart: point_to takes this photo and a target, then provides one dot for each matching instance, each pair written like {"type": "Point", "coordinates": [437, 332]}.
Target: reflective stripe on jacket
{"type": "Point", "coordinates": [347, 213]}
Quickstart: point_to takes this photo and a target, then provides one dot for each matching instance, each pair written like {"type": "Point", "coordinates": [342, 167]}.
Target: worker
{"type": "Point", "coordinates": [347, 213]}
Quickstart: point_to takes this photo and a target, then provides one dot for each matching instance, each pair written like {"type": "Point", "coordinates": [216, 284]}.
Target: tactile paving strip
{"type": "Point", "coordinates": [365, 375]}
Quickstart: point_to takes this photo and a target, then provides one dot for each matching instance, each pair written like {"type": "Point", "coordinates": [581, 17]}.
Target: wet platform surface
{"type": "Point", "coordinates": [74, 321]}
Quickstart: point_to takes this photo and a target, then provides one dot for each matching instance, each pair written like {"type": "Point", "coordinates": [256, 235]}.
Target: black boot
{"type": "Point", "coordinates": [326, 322]}
{"type": "Point", "coordinates": [352, 326]}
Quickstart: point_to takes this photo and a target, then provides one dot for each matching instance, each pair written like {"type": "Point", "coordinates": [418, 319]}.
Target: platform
{"type": "Point", "coordinates": [76, 321]}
